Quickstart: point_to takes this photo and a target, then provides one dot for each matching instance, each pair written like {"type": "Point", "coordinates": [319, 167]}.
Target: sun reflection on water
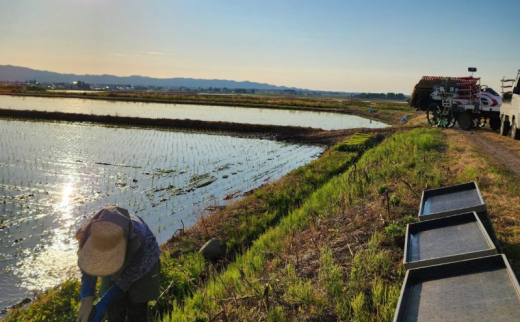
{"type": "Point", "coordinates": [65, 206]}
{"type": "Point", "coordinates": [58, 258]}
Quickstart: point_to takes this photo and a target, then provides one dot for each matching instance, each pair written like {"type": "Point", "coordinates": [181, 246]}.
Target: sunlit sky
{"type": "Point", "coordinates": [348, 45]}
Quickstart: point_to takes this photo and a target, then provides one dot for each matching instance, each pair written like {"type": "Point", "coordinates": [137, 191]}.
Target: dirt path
{"type": "Point", "coordinates": [503, 150]}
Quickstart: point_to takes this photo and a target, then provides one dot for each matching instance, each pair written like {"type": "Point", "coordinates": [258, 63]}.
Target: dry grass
{"type": "Point", "coordinates": [499, 186]}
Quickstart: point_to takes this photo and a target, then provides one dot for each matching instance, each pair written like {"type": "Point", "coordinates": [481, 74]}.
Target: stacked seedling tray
{"type": "Point", "coordinates": [453, 270]}
{"type": "Point", "coordinates": [448, 239]}
{"type": "Point", "coordinates": [450, 200]}
{"type": "Point", "coordinates": [456, 199]}
{"type": "Point", "coordinates": [481, 289]}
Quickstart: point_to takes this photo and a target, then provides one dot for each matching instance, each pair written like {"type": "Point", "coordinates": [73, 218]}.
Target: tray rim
{"type": "Point", "coordinates": [492, 250]}
{"type": "Point", "coordinates": [409, 273]}
{"type": "Point", "coordinates": [438, 191]}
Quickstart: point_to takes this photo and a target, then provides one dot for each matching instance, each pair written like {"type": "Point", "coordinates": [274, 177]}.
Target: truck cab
{"type": "Point", "coordinates": [510, 109]}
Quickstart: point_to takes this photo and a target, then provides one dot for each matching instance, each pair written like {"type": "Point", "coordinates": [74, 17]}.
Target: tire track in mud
{"type": "Point", "coordinates": [504, 150]}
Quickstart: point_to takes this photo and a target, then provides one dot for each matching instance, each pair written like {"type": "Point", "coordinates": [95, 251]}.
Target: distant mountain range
{"type": "Point", "coordinates": [21, 74]}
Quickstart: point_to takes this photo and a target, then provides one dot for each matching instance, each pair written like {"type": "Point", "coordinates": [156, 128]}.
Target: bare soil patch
{"type": "Point", "coordinates": [503, 149]}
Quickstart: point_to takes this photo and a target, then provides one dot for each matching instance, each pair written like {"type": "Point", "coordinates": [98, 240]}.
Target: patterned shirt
{"type": "Point", "coordinates": [142, 261]}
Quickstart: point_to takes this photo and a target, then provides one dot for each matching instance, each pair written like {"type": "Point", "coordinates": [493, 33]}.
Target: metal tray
{"type": "Point", "coordinates": [481, 289]}
{"type": "Point", "coordinates": [449, 239]}
{"type": "Point", "coordinates": [450, 200]}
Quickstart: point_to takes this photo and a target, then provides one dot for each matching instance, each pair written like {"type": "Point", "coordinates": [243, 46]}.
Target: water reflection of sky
{"type": "Point", "coordinates": [324, 120]}
{"type": "Point", "coordinates": [55, 175]}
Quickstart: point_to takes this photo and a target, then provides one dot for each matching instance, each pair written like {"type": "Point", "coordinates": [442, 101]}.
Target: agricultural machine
{"type": "Point", "coordinates": [462, 100]}
{"type": "Point", "coordinates": [510, 110]}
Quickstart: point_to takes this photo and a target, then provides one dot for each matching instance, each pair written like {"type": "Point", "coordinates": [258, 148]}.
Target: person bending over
{"type": "Point", "coordinates": [121, 249]}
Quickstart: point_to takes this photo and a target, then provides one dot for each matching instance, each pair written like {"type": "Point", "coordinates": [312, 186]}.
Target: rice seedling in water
{"type": "Point", "coordinates": [94, 171]}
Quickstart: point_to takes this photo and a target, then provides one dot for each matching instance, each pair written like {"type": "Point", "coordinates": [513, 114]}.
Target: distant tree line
{"type": "Point", "coordinates": [387, 96]}
{"type": "Point", "coordinates": [243, 91]}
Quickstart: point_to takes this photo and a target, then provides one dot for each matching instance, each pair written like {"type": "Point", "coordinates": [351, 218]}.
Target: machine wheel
{"type": "Point", "coordinates": [465, 121]}
{"type": "Point", "coordinates": [515, 132]}
{"type": "Point", "coordinates": [494, 123]}
{"type": "Point", "coordinates": [504, 127]}
{"type": "Point", "coordinates": [440, 117]}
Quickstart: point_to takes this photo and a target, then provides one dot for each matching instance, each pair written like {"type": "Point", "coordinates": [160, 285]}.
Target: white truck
{"type": "Point", "coordinates": [510, 109]}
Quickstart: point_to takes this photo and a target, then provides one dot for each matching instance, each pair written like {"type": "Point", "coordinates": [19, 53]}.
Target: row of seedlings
{"type": "Point", "coordinates": [456, 270]}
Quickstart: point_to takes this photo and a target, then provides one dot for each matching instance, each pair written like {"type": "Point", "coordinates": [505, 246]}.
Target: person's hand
{"type": "Point", "coordinates": [101, 307]}
{"type": "Point", "coordinates": [85, 308]}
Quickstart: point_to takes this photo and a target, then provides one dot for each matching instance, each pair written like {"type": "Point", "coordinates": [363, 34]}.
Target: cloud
{"type": "Point", "coordinates": [157, 53]}
{"type": "Point", "coordinates": [124, 55]}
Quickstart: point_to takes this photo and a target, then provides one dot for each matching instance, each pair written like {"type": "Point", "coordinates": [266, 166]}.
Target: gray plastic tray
{"type": "Point", "coordinates": [449, 239]}
{"type": "Point", "coordinates": [450, 200]}
{"type": "Point", "coordinates": [457, 199]}
{"type": "Point", "coordinates": [481, 289]}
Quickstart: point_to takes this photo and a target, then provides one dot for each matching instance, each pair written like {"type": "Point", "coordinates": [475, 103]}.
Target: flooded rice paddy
{"type": "Point", "coordinates": [55, 175]}
{"type": "Point", "coordinates": [323, 120]}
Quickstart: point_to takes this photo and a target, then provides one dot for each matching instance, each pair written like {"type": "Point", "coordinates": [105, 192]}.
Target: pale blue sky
{"type": "Point", "coordinates": [349, 45]}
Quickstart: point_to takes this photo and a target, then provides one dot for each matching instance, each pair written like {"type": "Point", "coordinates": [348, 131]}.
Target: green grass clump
{"type": "Point", "coordinates": [394, 200]}
{"type": "Point", "coordinates": [358, 142]}
{"type": "Point", "coordinates": [427, 141]}
{"type": "Point", "coordinates": [371, 298]}
{"type": "Point", "coordinates": [382, 189]}
{"type": "Point", "coordinates": [395, 229]}
{"type": "Point", "coordinates": [178, 279]}
{"type": "Point", "coordinates": [469, 174]}
{"type": "Point", "coordinates": [276, 315]}
{"type": "Point", "coordinates": [55, 305]}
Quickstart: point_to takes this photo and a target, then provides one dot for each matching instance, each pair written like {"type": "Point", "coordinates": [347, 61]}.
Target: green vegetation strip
{"type": "Point", "coordinates": [269, 283]}
{"type": "Point", "coordinates": [183, 274]}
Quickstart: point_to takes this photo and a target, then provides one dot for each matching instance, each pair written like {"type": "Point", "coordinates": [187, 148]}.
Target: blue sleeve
{"type": "Point", "coordinates": [88, 285]}
{"type": "Point", "coordinates": [112, 294]}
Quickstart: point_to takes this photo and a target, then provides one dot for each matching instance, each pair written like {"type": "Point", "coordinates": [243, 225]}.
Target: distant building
{"type": "Point", "coordinates": [79, 85]}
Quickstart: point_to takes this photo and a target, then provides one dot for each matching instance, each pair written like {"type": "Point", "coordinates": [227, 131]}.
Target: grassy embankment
{"type": "Point", "coordinates": [338, 257]}
{"type": "Point", "coordinates": [238, 225]}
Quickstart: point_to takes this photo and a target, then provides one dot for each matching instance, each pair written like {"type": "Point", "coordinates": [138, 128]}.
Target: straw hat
{"type": "Point", "coordinates": [103, 253]}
